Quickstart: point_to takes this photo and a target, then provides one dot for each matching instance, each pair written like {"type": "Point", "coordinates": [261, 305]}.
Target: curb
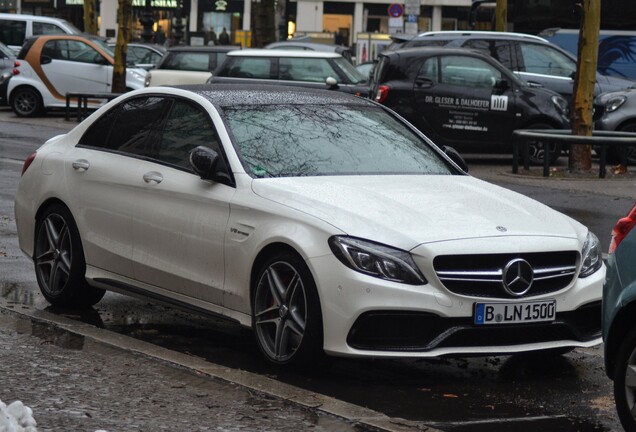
{"type": "Point", "coordinates": [354, 414]}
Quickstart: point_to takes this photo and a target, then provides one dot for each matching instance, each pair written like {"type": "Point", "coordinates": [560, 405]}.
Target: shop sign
{"type": "Point", "coordinates": [220, 5]}
{"type": "Point", "coordinates": [164, 4]}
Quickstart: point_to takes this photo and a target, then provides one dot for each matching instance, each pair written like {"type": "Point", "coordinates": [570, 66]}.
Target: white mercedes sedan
{"type": "Point", "coordinates": [321, 220]}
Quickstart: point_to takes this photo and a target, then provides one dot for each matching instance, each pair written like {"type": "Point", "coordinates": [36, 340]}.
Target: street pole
{"type": "Point", "coordinates": [583, 96]}
{"type": "Point", "coordinates": [501, 16]}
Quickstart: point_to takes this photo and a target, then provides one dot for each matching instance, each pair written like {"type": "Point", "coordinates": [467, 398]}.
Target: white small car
{"type": "Point", "coordinates": [51, 66]}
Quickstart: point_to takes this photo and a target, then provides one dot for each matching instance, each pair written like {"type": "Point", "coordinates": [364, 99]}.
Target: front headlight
{"type": "Point", "coordinates": [561, 106]}
{"type": "Point", "coordinates": [591, 255]}
{"type": "Point", "coordinates": [614, 103]}
{"type": "Point", "coordinates": [376, 260]}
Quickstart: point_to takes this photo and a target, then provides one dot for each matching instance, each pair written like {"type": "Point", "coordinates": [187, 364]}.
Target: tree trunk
{"type": "Point", "coordinates": [585, 79]}
{"type": "Point", "coordinates": [501, 16]}
{"type": "Point", "coordinates": [124, 35]}
{"type": "Point", "coordinates": [263, 23]}
{"type": "Point", "coordinates": [90, 17]}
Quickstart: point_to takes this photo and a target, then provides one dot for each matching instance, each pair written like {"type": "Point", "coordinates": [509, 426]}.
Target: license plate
{"type": "Point", "coordinates": [510, 313]}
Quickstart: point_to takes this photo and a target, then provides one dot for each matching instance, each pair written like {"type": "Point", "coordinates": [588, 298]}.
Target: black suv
{"type": "Point", "coordinates": [466, 99]}
{"type": "Point", "coordinates": [531, 57]}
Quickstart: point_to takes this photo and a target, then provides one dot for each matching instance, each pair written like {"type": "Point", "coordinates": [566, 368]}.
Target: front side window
{"type": "Point", "coordinates": [429, 70]}
{"type": "Point", "coordinates": [131, 127]}
{"type": "Point", "coordinates": [467, 72]}
{"type": "Point", "coordinates": [247, 67]}
{"type": "Point", "coordinates": [545, 60]}
{"type": "Point", "coordinates": [71, 50]}
{"type": "Point", "coordinates": [186, 128]}
{"type": "Point", "coordinates": [187, 61]}
{"type": "Point", "coordinates": [313, 140]}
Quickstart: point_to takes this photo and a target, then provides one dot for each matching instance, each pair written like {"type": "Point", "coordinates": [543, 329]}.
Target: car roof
{"type": "Point", "coordinates": [229, 95]}
{"type": "Point", "coordinates": [303, 44]}
{"type": "Point", "coordinates": [257, 52]}
{"type": "Point", "coordinates": [460, 34]}
{"type": "Point", "coordinates": [206, 48]}
{"type": "Point", "coordinates": [155, 47]}
{"type": "Point", "coordinates": [433, 51]}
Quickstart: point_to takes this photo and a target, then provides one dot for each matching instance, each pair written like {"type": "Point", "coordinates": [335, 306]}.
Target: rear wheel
{"type": "Point", "coordinates": [26, 102]}
{"type": "Point", "coordinates": [59, 260]}
{"type": "Point", "coordinates": [537, 147]}
{"type": "Point", "coordinates": [286, 311]}
{"type": "Point", "coordinates": [625, 381]}
{"type": "Point", "coordinates": [613, 152]}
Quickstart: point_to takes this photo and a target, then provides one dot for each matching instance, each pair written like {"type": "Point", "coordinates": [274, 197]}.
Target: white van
{"type": "Point", "coordinates": [15, 28]}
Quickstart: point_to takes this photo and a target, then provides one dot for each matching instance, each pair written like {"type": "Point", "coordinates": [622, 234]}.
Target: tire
{"type": "Point", "coordinates": [625, 392]}
{"type": "Point", "coordinates": [613, 155]}
{"type": "Point", "coordinates": [26, 102]}
{"type": "Point", "coordinates": [287, 318]}
{"type": "Point", "coordinates": [536, 149]}
{"type": "Point", "coordinates": [59, 261]}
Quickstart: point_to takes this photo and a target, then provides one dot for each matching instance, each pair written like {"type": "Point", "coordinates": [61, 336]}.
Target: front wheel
{"type": "Point", "coordinates": [537, 148]}
{"type": "Point", "coordinates": [26, 102]}
{"type": "Point", "coordinates": [59, 260]}
{"type": "Point", "coordinates": [625, 382]}
{"type": "Point", "coordinates": [287, 317]}
{"type": "Point", "coordinates": [629, 151]}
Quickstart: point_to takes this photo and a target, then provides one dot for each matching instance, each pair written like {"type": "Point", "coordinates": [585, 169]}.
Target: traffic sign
{"type": "Point", "coordinates": [396, 10]}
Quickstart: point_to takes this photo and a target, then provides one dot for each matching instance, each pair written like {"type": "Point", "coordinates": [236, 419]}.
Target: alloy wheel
{"type": "Point", "coordinates": [53, 254]}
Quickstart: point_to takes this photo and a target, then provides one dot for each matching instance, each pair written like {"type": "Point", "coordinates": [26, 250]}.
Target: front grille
{"type": "Point", "coordinates": [483, 275]}
{"type": "Point", "coordinates": [598, 112]}
{"type": "Point", "coordinates": [420, 331]}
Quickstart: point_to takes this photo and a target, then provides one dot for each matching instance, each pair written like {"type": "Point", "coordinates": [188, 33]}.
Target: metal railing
{"type": "Point", "coordinates": [82, 102]}
{"type": "Point", "coordinates": [600, 139]}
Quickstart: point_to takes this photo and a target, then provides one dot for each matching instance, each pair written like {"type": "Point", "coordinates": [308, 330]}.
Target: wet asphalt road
{"type": "Point", "coordinates": [524, 393]}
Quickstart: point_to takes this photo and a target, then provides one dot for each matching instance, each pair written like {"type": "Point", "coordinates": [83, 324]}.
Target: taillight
{"type": "Point", "coordinates": [622, 228]}
{"type": "Point", "coordinates": [27, 162]}
{"type": "Point", "coordinates": [16, 65]}
{"type": "Point", "coordinates": [382, 93]}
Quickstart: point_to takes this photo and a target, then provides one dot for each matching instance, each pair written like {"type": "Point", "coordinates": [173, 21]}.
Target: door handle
{"type": "Point", "coordinates": [153, 177]}
{"type": "Point", "coordinates": [81, 165]}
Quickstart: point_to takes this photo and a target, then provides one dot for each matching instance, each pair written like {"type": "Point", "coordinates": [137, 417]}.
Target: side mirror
{"type": "Point", "coordinates": [501, 85]}
{"type": "Point", "coordinates": [209, 166]}
{"type": "Point", "coordinates": [456, 157]}
{"type": "Point", "coordinates": [332, 84]}
{"type": "Point", "coordinates": [100, 60]}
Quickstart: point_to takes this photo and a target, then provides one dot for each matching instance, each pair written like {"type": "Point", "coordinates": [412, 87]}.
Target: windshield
{"type": "Point", "coordinates": [313, 140]}
{"type": "Point", "coordinates": [5, 51]}
{"type": "Point", "coordinates": [350, 71]}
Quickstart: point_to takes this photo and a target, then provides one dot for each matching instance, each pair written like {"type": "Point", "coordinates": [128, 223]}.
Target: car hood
{"type": "Point", "coordinates": [406, 211]}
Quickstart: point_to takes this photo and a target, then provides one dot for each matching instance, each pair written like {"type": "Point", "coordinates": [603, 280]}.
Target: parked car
{"type": "Point", "coordinates": [619, 318]}
{"type": "Point", "coordinates": [51, 66]}
{"type": "Point", "coordinates": [7, 66]}
{"type": "Point", "coordinates": [366, 69]}
{"type": "Point", "coordinates": [466, 99]}
{"type": "Point", "coordinates": [315, 69]}
{"type": "Point", "coordinates": [616, 111]}
{"type": "Point", "coordinates": [16, 28]}
{"type": "Point", "coordinates": [300, 44]}
{"type": "Point", "coordinates": [321, 220]}
{"type": "Point", "coordinates": [532, 58]}
{"type": "Point", "coordinates": [143, 55]}
{"type": "Point", "coordinates": [187, 65]}
{"type": "Point", "coordinates": [616, 49]}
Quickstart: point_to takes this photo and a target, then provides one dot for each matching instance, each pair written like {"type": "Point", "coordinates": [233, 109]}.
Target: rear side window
{"type": "Point", "coordinates": [499, 50]}
{"type": "Point", "coordinates": [248, 67]}
{"type": "Point", "coordinates": [12, 32]}
{"type": "Point", "coordinates": [187, 61]}
{"type": "Point", "coordinates": [132, 127]}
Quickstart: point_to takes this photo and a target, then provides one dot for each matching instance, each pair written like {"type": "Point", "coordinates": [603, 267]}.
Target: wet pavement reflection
{"type": "Point", "coordinates": [524, 392]}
